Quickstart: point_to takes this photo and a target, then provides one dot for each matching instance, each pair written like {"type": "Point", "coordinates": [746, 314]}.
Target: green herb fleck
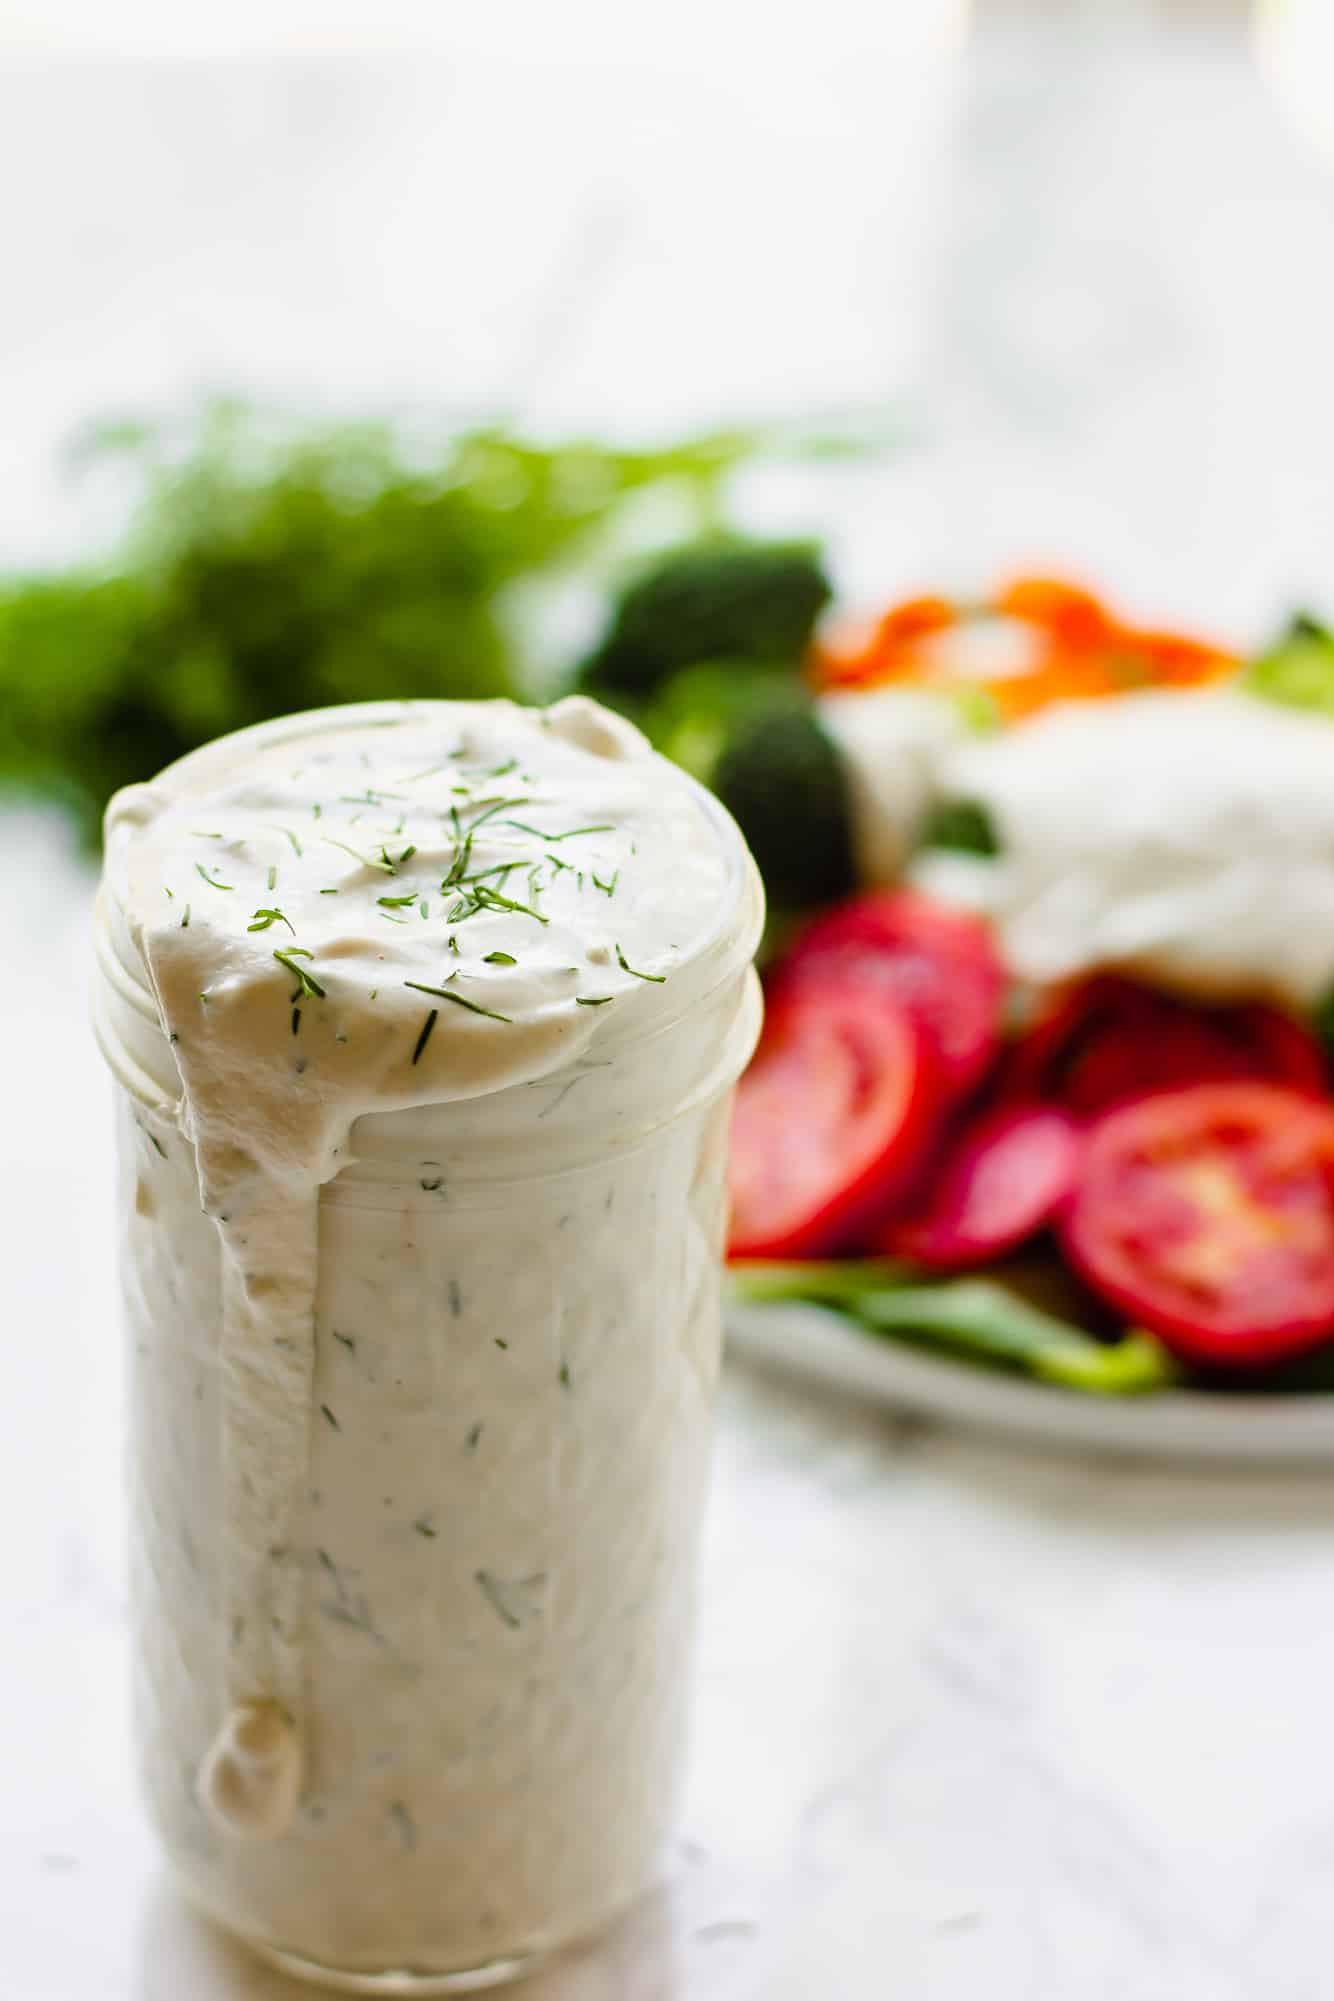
{"type": "Point", "coordinates": [386, 867]}
{"type": "Point", "coordinates": [500, 959]}
{"type": "Point", "coordinates": [474, 1433]}
{"type": "Point", "coordinates": [348, 1341]}
{"type": "Point", "coordinates": [425, 1035]}
{"type": "Point", "coordinates": [564, 1375]}
{"type": "Point", "coordinates": [265, 918]}
{"type": "Point", "coordinates": [593, 1000]}
{"type": "Point", "coordinates": [185, 918]}
{"type": "Point", "coordinates": [492, 899]}
{"type": "Point", "coordinates": [200, 870]}
{"type": "Point", "coordinates": [423, 1528]}
{"type": "Point", "coordinates": [289, 835]}
{"type": "Point", "coordinates": [328, 1414]}
{"type": "Point", "coordinates": [396, 902]}
{"type": "Point", "coordinates": [306, 983]}
{"type": "Point", "coordinates": [607, 888]}
{"type": "Point", "coordinates": [444, 993]}
{"type": "Point", "coordinates": [626, 967]}
{"type": "Point", "coordinates": [273, 875]}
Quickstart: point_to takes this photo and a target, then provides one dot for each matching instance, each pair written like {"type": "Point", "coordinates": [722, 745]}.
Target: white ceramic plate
{"type": "Point", "coordinates": [1177, 1424]}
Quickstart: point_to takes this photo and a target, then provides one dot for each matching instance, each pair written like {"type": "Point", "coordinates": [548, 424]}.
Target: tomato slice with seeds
{"type": "Point", "coordinates": [1112, 1037]}
{"type": "Point", "coordinates": [939, 964]}
{"type": "Point", "coordinates": [1207, 1215]}
{"type": "Point", "coordinates": [828, 1120]}
{"type": "Point", "coordinates": [1002, 1179]}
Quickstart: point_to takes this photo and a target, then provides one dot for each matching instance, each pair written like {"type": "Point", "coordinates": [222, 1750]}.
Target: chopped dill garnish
{"type": "Point", "coordinates": [453, 942]}
{"type": "Point", "coordinates": [306, 983]}
{"type": "Point", "coordinates": [425, 908]}
{"type": "Point", "coordinates": [204, 834]}
{"type": "Point", "coordinates": [185, 918]}
{"type": "Point", "coordinates": [493, 899]}
{"type": "Point", "coordinates": [325, 1410]}
{"type": "Point", "coordinates": [593, 1000]}
{"type": "Point", "coordinates": [500, 959]}
{"type": "Point", "coordinates": [607, 888]}
{"type": "Point", "coordinates": [568, 835]}
{"type": "Point", "coordinates": [406, 856]}
{"type": "Point", "coordinates": [386, 867]}
{"type": "Point", "coordinates": [425, 1035]}
{"type": "Point", "coordinates": [348, 1341]}
{"type": "Point", "coordinates": [264, 918]}
{"type": "Point", "coordinates": [316, 810]}
{"type": "Point", "coordinates": [202, 871]}
{"type": "Point", "coordinates": [370, 797]}
{"type": "Point", "coordinates": [297, 848]}
{"type": "Point", "coordinates": [273, 875]}
{"type": "Point", "coordinates": [328, 892]}
{"type": "Point", "coordinates": [474, 1433]}
{"type": "Point", "coordinates": [444, 993]}
{"type": "Point", "coordinates": [500, 1343]}
{"type": "Point", "coordinates": [296, 1021]}
{"type": "Point", "coordinates": [170, 892]}
{"type": "Point", "coordinates": [423, 1527]}
{"type": "Point", "coordinates": [490, 807]}
{"type": "Point", "coordinates": [563, 1375]}
{"type": "Point", "coordinates": [397, 902]}
{"type": "Point", "coordinates": [626, 967]}
{"type": "Point", "coordinates": [155, 1142]}
{"type": "Point", "coordinates": [502, 770]}
{"type": "Point", "coordinates": [501, 869]}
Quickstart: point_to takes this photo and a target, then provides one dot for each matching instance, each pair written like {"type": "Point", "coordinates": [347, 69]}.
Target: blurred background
{"type": "Point", "coordinates": [1079, 247]}
{"type": "Point", "coordinates": [957, 288]}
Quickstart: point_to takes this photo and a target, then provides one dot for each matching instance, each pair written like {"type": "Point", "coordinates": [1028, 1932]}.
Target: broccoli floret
{"type": "Point", "coordinates": [719, 600]}
{"type": "Point", "coordinates": [782, 780]}
{"type": "Point", "coordinates": [697, 710]}
{"type": "Point", "coordinates": [963, 825]}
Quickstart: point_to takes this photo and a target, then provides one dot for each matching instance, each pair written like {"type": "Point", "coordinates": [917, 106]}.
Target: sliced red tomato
{"type": "Point", "coordinates": [1207, 1215]}
{"type": "Point", "coordinates": [1002, 1179]}
{"type": "Point", "coordinates": [939, 964]}
{"type": "Point", "coordinates": [829, 1118]}
{"type": "Point", "coordinates": [1111, 1038]}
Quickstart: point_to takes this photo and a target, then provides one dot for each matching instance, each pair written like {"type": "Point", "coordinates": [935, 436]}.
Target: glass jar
{"type": "Point", "coordinates": [516, 1342]}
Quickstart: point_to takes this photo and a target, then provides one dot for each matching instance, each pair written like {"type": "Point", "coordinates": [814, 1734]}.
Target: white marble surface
{"type": "Point", "coordinates": [969, 1721]}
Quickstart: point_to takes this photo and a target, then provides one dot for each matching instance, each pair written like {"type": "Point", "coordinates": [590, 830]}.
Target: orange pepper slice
{"type": "Point", "coordinates": [1083, 652]}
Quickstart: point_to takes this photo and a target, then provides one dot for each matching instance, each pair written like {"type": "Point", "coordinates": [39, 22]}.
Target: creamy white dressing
{"type": "Point", "coordinates": [893, 742]}
{"type": "Point", "coordinates": [377, 920]}
{"type": "Point", "coordinates": [1188, 835]}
